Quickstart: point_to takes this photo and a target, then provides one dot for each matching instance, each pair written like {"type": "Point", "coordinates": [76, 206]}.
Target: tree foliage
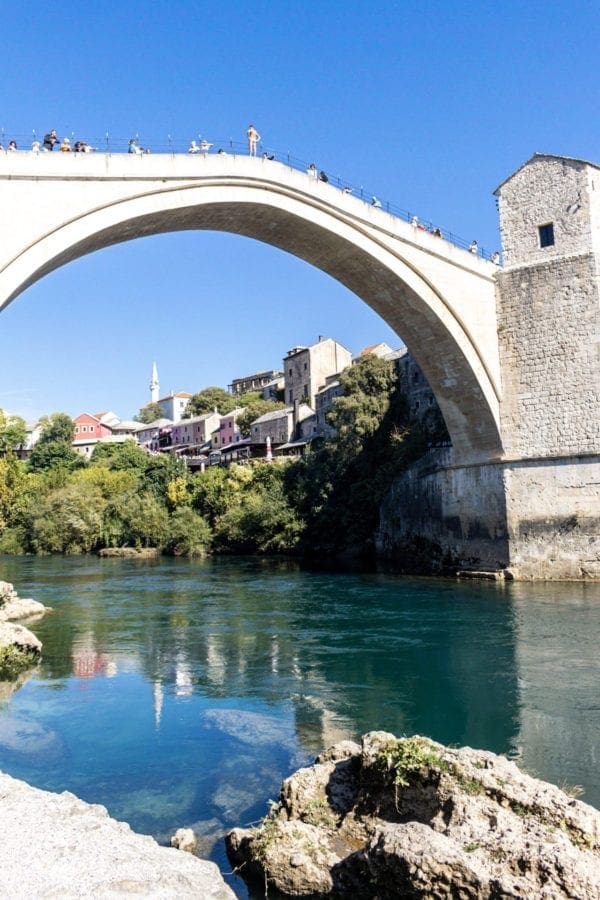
{"type": "Point", "coordinates": [149, 413]}
{"type": "Point", "coordinates": [13, 432]}
{"type": "Point", "coordinates": [209, 399]}
{"type": "Point", "coordinates": [54, 447]}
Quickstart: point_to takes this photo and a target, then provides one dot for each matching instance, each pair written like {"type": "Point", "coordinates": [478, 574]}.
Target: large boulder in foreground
{"type": "Point", "coordinates": [54, 845]}
{"type": "Point", "coordinates": [411, 818]}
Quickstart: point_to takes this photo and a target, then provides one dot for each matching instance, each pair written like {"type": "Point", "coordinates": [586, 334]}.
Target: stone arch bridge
{"type": "Point", "coordinates": [512, 354]}
{"type": "Point", "coordinates": [56, 207]}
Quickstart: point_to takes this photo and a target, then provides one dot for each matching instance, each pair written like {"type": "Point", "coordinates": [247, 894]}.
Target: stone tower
{"type": "Point", "coordinates": [534, 512]}
{"type": "Point", "coordinates": [548, 313]}
{"type": "Point", "coordinates": [154, 386]}
{"type": "Point", "coordinates": [548, 305]}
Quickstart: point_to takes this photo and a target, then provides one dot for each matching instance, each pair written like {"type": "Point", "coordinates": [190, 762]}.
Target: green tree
{"type": "Point", "coordinates": [53, 449]}
{"type": "Point", "coordinates": [149, 413]}
{"type": "Point", "coordinates": [68, 520]}
{"type": "Point", "coordinates": [358, 413]}
{"type": "Point", "coordinates": [159, 471]}
{"type": "Point", "coordinates": [253, 411]}
{"type": "Point", "coordinates": [12, 488]}
{"type": "Point", "coordinates": [110, 482]}
{"type": "Point", "coordinates": [56, 427]}
{"type": "Point", "coordinates": [207, 400]}
{"type": "Point", "coordinates": [337, 489]}
{"type": "Point", "coordinates": [262, 520]}
{"type": "Point", "coordinates": [145, 521]}
{"type": "Point", "coordinates": [13, 432]}
{"type": "Point", "coordinates": [55, 455]}
{"type": "Point", "coordinates": [211, 492]}
{"type": "Point", "coordinates": [189, 533]}
{"type": "Point", "coordinates": [127, 457]}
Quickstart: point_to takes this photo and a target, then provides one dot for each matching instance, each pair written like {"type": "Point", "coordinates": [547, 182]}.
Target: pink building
{"type": "Point", "coordinates": [194, 432]}
{"type": "Point", "coordinates": [228, 432]}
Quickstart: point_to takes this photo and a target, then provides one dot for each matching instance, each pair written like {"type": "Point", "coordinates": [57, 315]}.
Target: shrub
{"type": "Point", "coordinates": [189, 534]}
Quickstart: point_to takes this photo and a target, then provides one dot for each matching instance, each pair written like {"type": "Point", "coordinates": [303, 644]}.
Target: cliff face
{"type": "Point", "coordinates": [411, 818]}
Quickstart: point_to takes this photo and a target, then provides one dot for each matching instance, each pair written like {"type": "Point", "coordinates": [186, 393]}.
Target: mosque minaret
{"type": "Point", "coordinates": [154, 387]}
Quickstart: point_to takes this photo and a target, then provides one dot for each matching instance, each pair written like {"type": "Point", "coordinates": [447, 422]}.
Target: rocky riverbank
{"type": "Point", "coordinates": [411, 818]}
{"type": "Point", "coordinates": [59, 846]}
{"type": "Point", "coordinates": [19, 647]}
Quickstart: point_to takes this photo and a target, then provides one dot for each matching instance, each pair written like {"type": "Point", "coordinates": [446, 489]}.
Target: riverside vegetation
{"type": "Point", "coordinates": [324, 504]}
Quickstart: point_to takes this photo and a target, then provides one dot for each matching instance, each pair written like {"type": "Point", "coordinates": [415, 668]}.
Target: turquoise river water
{"type": "Point", "coordinates": [181, 693]}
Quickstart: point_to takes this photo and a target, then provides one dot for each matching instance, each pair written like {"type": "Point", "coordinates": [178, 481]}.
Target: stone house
{"type": "Point", "coordinates": [195, 432]}
{"type": "Point", "coordinates": [255, 382]}
{"type": "Point", "coordinates": [307, 368]}
{"type": "Point", "coordinates": [155, 436]}
{"type": "Point", "coordinates": [279, 425]}
{"type": "Point", "coordinates": [323, 404]}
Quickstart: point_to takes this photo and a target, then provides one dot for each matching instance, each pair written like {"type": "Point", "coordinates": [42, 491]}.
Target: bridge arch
{"type": "Point", "coordinates": [442, 304]}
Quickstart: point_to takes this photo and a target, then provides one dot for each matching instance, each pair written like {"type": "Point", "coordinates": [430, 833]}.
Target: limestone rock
{"type": "Point", "coordinates": [59, 846]}
{"type": "Point", "coordinates": [15, 635]}
{"type": "Point", "coordinates": [14, 607]}
{"type": "Point", "coordinates": [413, 818]}
{"type": "Point", "coordinates": [184, 839]}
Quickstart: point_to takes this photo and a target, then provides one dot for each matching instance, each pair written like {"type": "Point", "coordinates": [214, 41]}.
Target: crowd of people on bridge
{"type": "Point", "coordinates": [204, 146]}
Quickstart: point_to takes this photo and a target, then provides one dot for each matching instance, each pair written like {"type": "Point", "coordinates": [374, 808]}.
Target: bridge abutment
{"type": "Point", "coordinates": [534, 513]}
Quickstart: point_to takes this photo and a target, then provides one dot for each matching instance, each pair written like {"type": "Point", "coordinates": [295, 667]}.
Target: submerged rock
{"type": "Point", "coordinates": [184, 839]}
{"type": "Point", "coordinates": [129, 552]}
{"type": "Point", "coordinates": [411, 818]}
{"type": "Point", "coordinates": [59, 846]}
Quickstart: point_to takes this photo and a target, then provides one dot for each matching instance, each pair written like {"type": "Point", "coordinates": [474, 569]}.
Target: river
{"type": "Point", "coordinates": [180, 693]}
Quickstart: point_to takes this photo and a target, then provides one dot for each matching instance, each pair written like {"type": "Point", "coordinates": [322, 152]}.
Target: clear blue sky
{"type": "Point", "coordinates": [430, 105]}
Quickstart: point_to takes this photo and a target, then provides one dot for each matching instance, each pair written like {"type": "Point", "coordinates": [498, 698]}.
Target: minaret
{"type": "Point", "coordinates": [154, 388]}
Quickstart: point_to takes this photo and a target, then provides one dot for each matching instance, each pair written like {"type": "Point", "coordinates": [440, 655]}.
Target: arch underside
{"type": "Point", "coordinates": [444, 359]}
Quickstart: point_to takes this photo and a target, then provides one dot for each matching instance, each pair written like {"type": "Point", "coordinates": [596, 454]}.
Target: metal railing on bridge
{"type": "Point", "coordinates": [172, 145]}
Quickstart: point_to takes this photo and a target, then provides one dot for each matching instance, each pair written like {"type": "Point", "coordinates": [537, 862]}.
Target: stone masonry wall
{"type": "Point", "coordinates": [549, 340]}
{"type": "Point", "coordinates": [534, 519]}
{"type": "Point", "coordinates": [564, 192]}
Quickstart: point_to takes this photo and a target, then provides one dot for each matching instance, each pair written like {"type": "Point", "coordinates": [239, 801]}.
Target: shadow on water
{"type": "Point", "coordinates": [180, 693]}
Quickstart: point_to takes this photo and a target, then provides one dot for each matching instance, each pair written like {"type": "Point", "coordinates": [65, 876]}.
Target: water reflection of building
{"type": "Point", "coordinates": [88, 662]}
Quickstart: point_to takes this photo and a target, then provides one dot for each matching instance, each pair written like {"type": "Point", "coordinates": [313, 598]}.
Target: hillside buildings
{"type": "Point", "coordinates": [309, 382]}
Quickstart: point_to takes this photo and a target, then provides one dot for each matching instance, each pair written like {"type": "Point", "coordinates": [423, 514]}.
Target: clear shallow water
{"type": "Point", "coordinates": [180, 693]}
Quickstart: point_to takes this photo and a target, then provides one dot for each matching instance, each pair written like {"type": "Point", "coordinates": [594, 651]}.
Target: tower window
{"type": "Point", "coordinates": [546, 235]}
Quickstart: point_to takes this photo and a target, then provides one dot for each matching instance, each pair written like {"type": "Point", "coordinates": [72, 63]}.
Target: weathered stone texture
{"type": "Point", "coordinates": [58, 846]}
{"type": "Point", "coordinates": [548, 189]}
{"type": "Point", "coordinates": [553, 515]}
{"type": "Point", "coordinates": [536, 519]}
{"type": "Point", "coordinates": [417, 819]}
{"type": "Point", "coordinates": [549, 341]}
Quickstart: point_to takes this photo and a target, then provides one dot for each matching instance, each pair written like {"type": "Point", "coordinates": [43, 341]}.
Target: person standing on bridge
{"type": "Point", "coordinates": [253, 139]}
{"type": "Point", "coordinates": [50, 140]}
{"type": "Point", "coordinates": [473, 247]}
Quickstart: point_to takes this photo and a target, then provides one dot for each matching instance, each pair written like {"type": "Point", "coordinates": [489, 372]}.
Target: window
{"type": "Point", "coordinates": [291, 397]}
{"type": "Point", "coordinates": [546, 235]}
{"type": "Point", "coordinates": [77, 429]}
{"type": "Point", "coordinates": [305, 366]}
{"type": "Point", "coordinates": [290, 371]}
{"type": "Point", "coordinates": [84, 427]}
{"type": "Point", "coordinates": [91, 427]}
